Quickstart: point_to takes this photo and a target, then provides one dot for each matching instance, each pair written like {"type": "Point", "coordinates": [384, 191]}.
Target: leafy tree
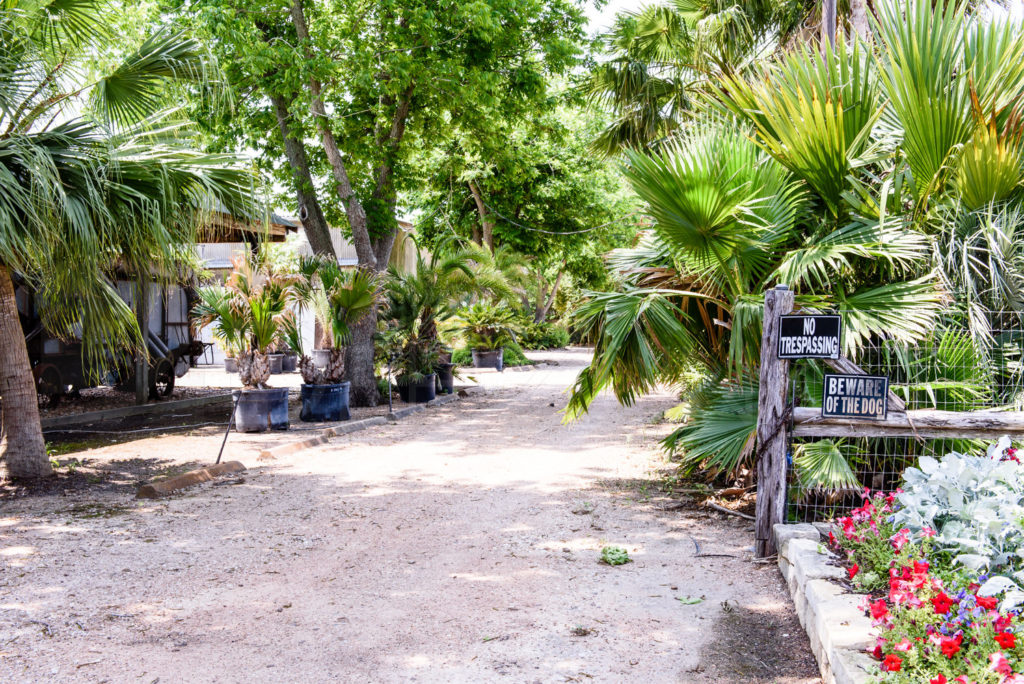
{"type": "Point", "coordinates": [82, 195]}
{"type": "Point", "coordinates": [367, 81]}
{"type": "Point", "coordinates": [535, 189]}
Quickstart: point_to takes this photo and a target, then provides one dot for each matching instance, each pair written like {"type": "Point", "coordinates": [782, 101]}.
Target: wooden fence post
{"type": "Point", "coordinates": [771, 423]}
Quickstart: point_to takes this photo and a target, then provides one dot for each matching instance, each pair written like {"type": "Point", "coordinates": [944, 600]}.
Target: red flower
{"type": "Point", "coordinates": [950, 647]}
{"type": "Point", "coordinates": [892, 663]}
{"type": "Point", "coordinates": [941, 679]}
{"type": "Point", "coordinates": [852, 571]}
{"type": "Point", "coordinates": [1006, 640]}
{"type": "Point", "coordinates": [987, 602]}
{"type": "Point", "coordinates": [832, 539]}
{"type": "Point", "coordinates": [879, 610]}
{"type": "Point", "coordinates": [1001, 623]}
{"type": "Point", "coordinates": [942, 602]}
{"type": "Point", "coordinates": [877, 652]}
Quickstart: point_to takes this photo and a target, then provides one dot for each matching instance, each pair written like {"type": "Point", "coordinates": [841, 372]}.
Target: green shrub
{"type": "Point", "coordinates": [542, 335]}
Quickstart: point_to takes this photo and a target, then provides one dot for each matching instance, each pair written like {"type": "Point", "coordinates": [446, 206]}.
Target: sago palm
{"type": "Point", "coordinates": [81, 195]}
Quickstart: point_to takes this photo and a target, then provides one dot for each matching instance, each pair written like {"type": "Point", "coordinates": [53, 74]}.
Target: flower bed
{"type": "Point", "coordinates": [939, 563]}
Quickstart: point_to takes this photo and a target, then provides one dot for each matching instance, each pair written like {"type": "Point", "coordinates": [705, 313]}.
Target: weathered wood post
{"type": "Point", "coordinates": [142, 355]}
{"type": "Point", "coordinates": [771, 423]}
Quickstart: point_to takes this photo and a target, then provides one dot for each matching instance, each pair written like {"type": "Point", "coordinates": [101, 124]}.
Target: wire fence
{"type": "Point", "coordinates": [967, 364]}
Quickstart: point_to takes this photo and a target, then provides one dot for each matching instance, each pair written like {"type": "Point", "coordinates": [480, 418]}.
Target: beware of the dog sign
{"type": "Point", "coordinates": [855, 396]}
{"type": "Point", "coordinates": [809, 337]}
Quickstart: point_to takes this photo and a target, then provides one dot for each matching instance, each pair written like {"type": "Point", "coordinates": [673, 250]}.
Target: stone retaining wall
{"type": "Point", "coordinates": [839, 631]}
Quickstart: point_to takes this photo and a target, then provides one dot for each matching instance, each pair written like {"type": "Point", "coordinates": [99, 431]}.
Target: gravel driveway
{"type": "Point", "coordinates": [459, 545]}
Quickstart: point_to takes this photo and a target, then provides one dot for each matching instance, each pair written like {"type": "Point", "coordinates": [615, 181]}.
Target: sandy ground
{"type": "Point", "coordinates": [460, 545]}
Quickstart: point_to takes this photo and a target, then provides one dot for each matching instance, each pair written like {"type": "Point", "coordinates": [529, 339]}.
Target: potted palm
{"type": "Point", "coordinates": [214, 307]}
{"type": "Point", "coordinates": [340, 299]}
{"type": "Point", "coordinates": [487, 329]}
{"type": "Point", "coordinates": [416, 303]}
{"type": "Point", "coordinates": [257, 301]}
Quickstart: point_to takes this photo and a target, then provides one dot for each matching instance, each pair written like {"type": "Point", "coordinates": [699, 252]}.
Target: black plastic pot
{"type": "Point", "coordinates": [321, 403]}
{"type": "Point", "coordinates": [276, 363]}
{"type": "Point", "coordinates": [321, 357]}
{"type": "Point", "coordinates": [259, 410]}
{"type": "Point", "coordinates": [290, 363]}
{"type": "Point", "coordinates": [446, 377]}
{"type": "Point", "coordinates": [230, 364]}
{"type": "Point", "coordinates": [417, 392]}
{"type": "Point", "coordinates": [489, 358]}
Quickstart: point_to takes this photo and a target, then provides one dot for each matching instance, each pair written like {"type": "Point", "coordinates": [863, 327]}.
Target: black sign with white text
{"type": "Point", "coordinates": [855, 396]}
{"type": "Point", "coordinates": [809, 337]}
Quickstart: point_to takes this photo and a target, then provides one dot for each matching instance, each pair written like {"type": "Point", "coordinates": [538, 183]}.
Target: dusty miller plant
{"type": "Point", "coordinates": [975, 505]}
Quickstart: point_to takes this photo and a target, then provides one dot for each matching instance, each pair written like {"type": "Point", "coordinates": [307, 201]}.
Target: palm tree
{"type": "Point", "coordinates": [730, 222]}
{"type": "Point", "coordinates": [82, 194]}
{"type": "Point", "coordinates": [657, 59]}
{"type": "Point", "coordinates": [901, 187]}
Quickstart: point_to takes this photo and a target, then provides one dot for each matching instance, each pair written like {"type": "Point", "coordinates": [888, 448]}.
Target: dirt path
{"type": "Point", "coordinates": [460, 545]}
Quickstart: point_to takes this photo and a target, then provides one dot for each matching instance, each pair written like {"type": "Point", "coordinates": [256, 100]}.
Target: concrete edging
{"type": "Point", "coordinates": [129, 411]}
{"type": "Point", "coordinates": [324, 436]}
{"type": "Point", "coordinates": [839, 631]}
{"type": "Point", "coordinates": [155, 490]}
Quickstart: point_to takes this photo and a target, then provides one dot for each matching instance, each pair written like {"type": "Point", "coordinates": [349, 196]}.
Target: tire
{"type": "Point", "coordinates": [161, 379]}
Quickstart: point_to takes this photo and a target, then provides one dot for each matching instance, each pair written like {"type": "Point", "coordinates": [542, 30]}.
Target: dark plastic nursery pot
{"type": "Point", "coordinates": [290, 363]}
{"type": "Point", "coordinates": [489, 358]}
{"type": "Point", "coordinates": [446, 377]}
{"type": "Point", "coordinates": [321, 403]}
{"type": "Point", "coordinates": [276, 363]}
{"type": "Point", "coordinates": [418, 392]}
{"type": "Point", "coordinates": [259, 410]}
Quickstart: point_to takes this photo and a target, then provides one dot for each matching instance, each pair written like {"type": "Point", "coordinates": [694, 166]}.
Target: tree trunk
{"type": "Point", "coordinates": [828, 24]}
{"type": "Point", "coordinates": [359, 362]}
{"type": "Point", "coordinates": [312, 216]}
{"type": "Point", "coordinates": [859, 19]}
{"type": "Point", "coordinates": [21, 443]}
{"type": "Point", "coordinates": [486, 222]}
{"type": "Point", "coordinates": [353, 207]}
{"type": "Point", "coordinates": [542, 311]}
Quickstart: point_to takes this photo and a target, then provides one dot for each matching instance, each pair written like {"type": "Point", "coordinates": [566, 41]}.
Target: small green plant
{"type": "Point", "coordinates": [615, 555]}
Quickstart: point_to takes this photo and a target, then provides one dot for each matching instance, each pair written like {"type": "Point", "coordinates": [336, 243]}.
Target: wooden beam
{"type": "Point", "coordinates": [771, 423]}
{"type": "Point", "coordinates": [921, 423]}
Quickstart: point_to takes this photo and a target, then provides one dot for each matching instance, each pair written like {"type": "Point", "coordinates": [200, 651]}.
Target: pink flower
{"type": "Point", "coordinates": [927, 532]}
{"type": "Point", "coordinates": [852, 571]}
{"type": "Point", "coordinates": [879, 610]}
{"type": "Point", "coordinates": [999, 664]}
{"type": "Point", "coordinates": [906, 645]}
{"type": "Point", "coordinates": [900, 539]}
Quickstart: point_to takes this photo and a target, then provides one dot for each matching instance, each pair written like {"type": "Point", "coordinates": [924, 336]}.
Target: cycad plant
{"type": "Point", "coordinates": [255, 304]}
{"type": "Point", "coordinates": [93, 176]}
{"type": "Point", "coordinates": [487, 326]}
{"type": "Point", "coordinates": [340, 298]}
